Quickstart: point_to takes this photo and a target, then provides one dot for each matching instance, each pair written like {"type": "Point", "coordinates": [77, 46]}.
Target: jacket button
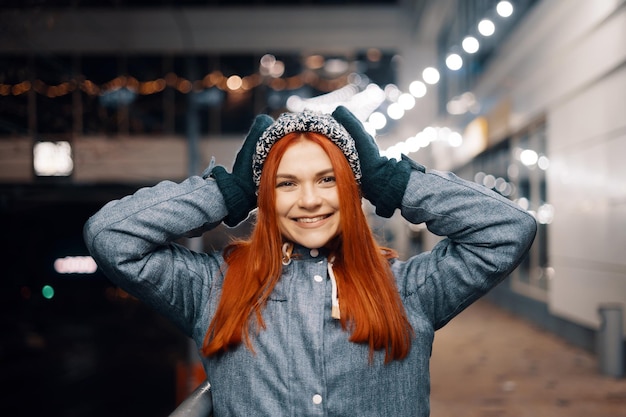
{"type": "Point", "coordinates": [314, 253]}
{"type": "Point", "coordinates": [318, 278]}
{"type": "Point", "coordinates": [317, 399]}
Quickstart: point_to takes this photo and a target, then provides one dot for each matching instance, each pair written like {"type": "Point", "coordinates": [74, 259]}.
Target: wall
{"type": "Point", "coordinates": [566, 62]}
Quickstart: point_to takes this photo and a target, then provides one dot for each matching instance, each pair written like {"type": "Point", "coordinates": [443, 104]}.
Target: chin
{"type": "Point", "coordinates": [313, 242]}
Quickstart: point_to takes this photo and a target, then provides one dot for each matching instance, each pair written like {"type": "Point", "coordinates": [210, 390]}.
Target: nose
{"type": "Point", "coordinates": [309, 197]}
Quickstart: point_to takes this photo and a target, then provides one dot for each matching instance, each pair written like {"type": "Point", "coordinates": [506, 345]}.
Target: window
{"type": "Point", "coordinates": [516, 168]}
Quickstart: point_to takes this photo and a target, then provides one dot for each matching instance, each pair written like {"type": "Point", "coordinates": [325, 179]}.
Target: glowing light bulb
{"type": "Point", "coordinates": [486, 27]}
{"type": "Point", "coordinates": [430, 75]}
{"type": "Point", "coordinates": [504, 8]}
{"type": "Point", "coordinates": [470, 44]}
{"type": "Point", "coordinates": [417, 89]}
{"type": "Point", "coordinates": [454, 62]}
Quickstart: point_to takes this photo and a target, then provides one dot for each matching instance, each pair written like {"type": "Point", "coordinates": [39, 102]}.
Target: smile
{"type": "Point", "coordinates": [312, 219]}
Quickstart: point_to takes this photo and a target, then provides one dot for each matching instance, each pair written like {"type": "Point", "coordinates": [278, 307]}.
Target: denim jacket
{"type": "Point", "coordinates": [303, 363]}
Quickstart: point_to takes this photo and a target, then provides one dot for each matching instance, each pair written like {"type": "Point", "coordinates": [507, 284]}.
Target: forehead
{"type": "Point", "coordinates": [304, 155]}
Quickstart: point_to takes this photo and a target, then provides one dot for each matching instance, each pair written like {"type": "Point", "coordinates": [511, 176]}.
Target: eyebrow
{"type": "Point", "coordinates": [318, 174]}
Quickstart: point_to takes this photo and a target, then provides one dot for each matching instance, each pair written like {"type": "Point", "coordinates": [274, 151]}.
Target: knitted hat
{"type": "Point", "coordinates": [307, 121]}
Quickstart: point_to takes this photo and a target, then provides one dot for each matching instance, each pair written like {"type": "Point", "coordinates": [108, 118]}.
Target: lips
{"type": "Point", "coordinates": [312, 219]}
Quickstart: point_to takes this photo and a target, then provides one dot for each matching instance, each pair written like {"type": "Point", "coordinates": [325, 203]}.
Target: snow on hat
{"type": "Point", "coordinates": [306, 121]}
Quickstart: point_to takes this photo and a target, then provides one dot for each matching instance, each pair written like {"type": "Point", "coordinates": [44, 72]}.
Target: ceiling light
{"type": "Point", "coordinates": [395, 111]}
{"type": "Point", "coordinates": [430, 75]}
{"type": "Point", "coordinates": [417, 89]}
{"type": "Point", "coordinates": [407, 101]}
{"type": "Point", "coordinates": [504, 8]}
{"type": "Point", "coordinates": [454, 62]}
{"type": "Point", "coordinates": [486, 27]}
{"type": "Point", "coordinates": [377, 120]}
{"type": "Point", "coordinates": [470, 44]}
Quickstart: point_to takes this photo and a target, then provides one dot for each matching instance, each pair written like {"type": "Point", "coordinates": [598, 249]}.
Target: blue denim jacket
{"type": "Point", "coordinates": [303, 363]}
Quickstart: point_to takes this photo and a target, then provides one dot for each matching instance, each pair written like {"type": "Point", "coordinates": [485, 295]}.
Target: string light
{"type": "Point", "coordinates": [271, 71]}
{"type": "Point", "coordinates": [504, 8]}
{"type": "Point", "coordinates": [486, 27]}
{"type": "Point", "coordinates": [172, 80]}
{"type": "Point", "coordinates": [430, 75]}
{"type": "Point", "coordinates": [470, 44]}
{"type": "Point", "coordinates": [454, 62]}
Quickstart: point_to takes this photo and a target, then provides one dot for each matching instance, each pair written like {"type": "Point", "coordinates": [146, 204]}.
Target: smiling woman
{"type": "Point", "coordinates": [309, 315]}
{"type": "Point", "coordinates": [307, 202]}
{"type": "Point", "coordinates": [309, 197]}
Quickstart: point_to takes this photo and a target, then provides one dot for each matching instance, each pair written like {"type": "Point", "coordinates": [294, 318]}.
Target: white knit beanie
{"type": "Point", "coordinates": [306, 121]}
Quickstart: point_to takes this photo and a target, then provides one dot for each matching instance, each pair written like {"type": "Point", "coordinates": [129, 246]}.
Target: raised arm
{"type": "Point", "coordinates": [485, 237]}
{"type": "Point", "coordinates": [132, 241]}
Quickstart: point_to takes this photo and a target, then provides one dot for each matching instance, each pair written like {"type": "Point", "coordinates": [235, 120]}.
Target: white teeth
{"type": "Point", "coordinates": [311, 219]}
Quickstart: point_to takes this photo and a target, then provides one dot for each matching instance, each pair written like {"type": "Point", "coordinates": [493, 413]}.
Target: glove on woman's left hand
{"type": "Point", "coordinates": [384, 180]}
{"type": "Point", "coordinates": [238, 188]}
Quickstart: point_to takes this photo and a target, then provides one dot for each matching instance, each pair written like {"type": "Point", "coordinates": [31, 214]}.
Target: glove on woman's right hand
{"type": "Point", "coordinates": [384, 180]}
{"type": "Point", "coordinates": [238, 188]}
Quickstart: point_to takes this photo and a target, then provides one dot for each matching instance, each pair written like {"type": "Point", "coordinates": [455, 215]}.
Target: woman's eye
{"type": "Point", "coordinates": [284, 184]}
{"type": "Point", "coordinates": [328, 180]}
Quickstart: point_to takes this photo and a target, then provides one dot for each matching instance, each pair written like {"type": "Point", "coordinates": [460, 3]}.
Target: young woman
{"type": "Point", "coordinates": [310, 316]}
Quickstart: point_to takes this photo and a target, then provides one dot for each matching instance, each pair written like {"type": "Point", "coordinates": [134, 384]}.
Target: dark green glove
{"type": "Point", "coordinates": [238, 188]}
{"type": "Point", "coordinates": [384, 180]}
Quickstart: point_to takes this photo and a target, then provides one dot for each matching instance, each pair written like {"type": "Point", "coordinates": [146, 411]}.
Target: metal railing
{"type": "Point", "coordinates": [198, 404]}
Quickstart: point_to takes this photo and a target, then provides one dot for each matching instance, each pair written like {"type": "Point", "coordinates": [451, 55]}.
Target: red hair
{"type": "Point", "coordinates": [371, 308]}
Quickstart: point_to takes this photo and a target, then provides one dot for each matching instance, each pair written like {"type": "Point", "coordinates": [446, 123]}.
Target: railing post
{"type": "Point", "coordinates": [611, 340]}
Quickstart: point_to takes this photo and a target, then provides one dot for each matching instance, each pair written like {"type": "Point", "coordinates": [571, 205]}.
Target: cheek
{"type": "Point", "coordinates": [333, 198]}
{"type": "Point", "coordinates": [283, 204]}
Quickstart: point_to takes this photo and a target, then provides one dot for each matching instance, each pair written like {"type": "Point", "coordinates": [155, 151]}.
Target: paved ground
{"type": "Point", "coordinates": [488, 363]}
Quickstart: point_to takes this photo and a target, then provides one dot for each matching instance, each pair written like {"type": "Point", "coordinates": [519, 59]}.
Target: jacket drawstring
{"type": "Point", "coordinates": [335, 312]}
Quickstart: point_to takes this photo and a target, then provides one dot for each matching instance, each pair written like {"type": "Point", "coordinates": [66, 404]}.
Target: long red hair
{"type": "Point", "coordinates": [371, 308]}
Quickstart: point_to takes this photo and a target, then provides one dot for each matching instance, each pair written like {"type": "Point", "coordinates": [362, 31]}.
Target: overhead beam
{"type": "Point", "coordinates": [231, 30]}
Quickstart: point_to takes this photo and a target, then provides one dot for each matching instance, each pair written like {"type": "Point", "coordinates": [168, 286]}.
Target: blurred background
{"type": "Point", "coordinates": [101, 97]}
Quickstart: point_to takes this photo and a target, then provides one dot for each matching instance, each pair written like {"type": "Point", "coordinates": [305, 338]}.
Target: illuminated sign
{"type": "Point", "coordinates": [75, 265]}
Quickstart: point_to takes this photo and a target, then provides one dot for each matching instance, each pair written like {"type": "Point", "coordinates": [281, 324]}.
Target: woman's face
{"type": "Point", "coordinates": [307, 202]}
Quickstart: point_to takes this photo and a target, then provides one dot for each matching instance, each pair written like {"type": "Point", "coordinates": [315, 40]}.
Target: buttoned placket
{"type": "Point", "coordinates": [317, 398]}
{"type": "Point", "coordinates": [308, 310]}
